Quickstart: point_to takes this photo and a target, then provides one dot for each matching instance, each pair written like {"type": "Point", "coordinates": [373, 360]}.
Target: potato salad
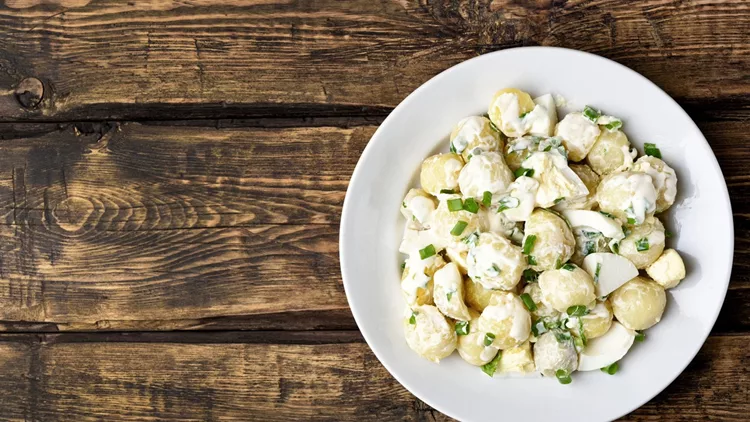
{"type": "Point", "coordinates": [535, 245]}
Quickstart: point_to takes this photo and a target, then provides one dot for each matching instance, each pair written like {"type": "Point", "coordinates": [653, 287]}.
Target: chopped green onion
{"type": "Point", "coordinates": [470, 239]}
{"type": "Point", "coordinates": [640, 336]}
{"type": "Point", "coordinates": [493, 271]}
{"type": "Point", "coordinates": [447, 191]}
{"type": "Point", "coordinates": [490, 367]}
{"type": "Point", "coordinates": [528, 244]}
{"type": "Point", "coordinates": [589, 247]}
{"type": "Point", "coordinates": [488, 339]}
{"type": "Point", "coordinates": [591, 113]}
{"type": "Point", "coordinates": [598, 270]}
{"type": "Point", "coordinates": [631, 221]}
{"type": "Point", "coordinates": [613, 125]}
{"type": "Point", "coordinates": [531, 260]}
{"type": "Point", "coordinates": [558, 263]}
{"type": "Point", "coordinates": [563, 376]}
{"type": "Point", "coordinates": [524, 172]}
{"type": "Point", "coordinates": [568, 267]}
{"type": "Point", "coordinates": [652, 150]}
{"type": "Point", "coordinates": [508, 202]}
{"type": "Point", "coordinates": [668, 234]}
{"type": "Point", "coordinates": [611, 369]}
{"type": "Point", "coordinates": [582, 333]}
{"type": "Point", "coordinates": [403, 265]}
{"type": "Point", "coordinates": [462, 328]}
{"type": "Point", "coordinates": [455, 204]}
{"type": "Point", "coordinates": [487, 198]}
{"type": "Point", "coordinates": [413, 318]}
{"type": "Point", "coordinates": [615, 247]}
{"type": "Point", "coordinates": [452, 148]}
{"type": "Point", "coordinates": [403, 204]}
{"type": "Point", "coordinates": [642, 244]}
{"type": "Point", "coordinates": [493, 127]}
{"type": "Point", "coordinates": [449, 295]}
{"type": "Point", "coordinates": [521, 116]}
{"type": "Point", "coordinates": [530, 275]}
{"type": "Point", "coordinates": [558, 200]}
{"type": "Point", "coordinates": [427, 252]}
{"type": "Point", "coordinates": [607, 214]}
{"type": "Point", "coordinates": [529, 302]}
{"type": "Point", "coordinates": [470, 204]}
{"type": "Point", "coordinates": [538, 328]}
{"type": "Point", "coordinates": [562, 336]}
{"type": "Point", "coordinates": [577, 310]}
{"type": "Point", "coordinates": [459, 228]}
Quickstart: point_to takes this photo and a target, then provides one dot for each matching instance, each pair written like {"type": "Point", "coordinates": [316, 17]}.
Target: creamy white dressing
{"type": "Point", "coordinates": [488, 352]}
{"type": "Point", "coordinates": [513, 309]}
{"type": "Point", "coordinates": [452, 168]}
{"type": "Point", "coordinates": [471, 129]}
{"type": "Point", "coordinates": [416, 277]}
{"type": "Point", "coordinates": [510, 111]}
{"type": "Point", "coordinates": [641, 198]}
{"type": "Point", "coordinates": [578, 134]}
{"type": "Point", "coordinates": [665, 181]}
{"type": "Point", "coordinates": [421, 208]}
{"type": "Point", "coordinates": [556, 179]}
{"type": "Point", "coordinates": [484, 173]}
{"type": "Point", "coordinates": [524, 189]}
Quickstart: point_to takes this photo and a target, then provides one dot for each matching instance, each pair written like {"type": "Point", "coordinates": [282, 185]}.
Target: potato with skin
{"type": "Point", "coordinates": [507, 319]}
{"type": "Point", "coordinates": [473, 136]}
{"type": "Point", "coordinates": [506, 109]}
{"type": "Point", "coordinates": [591, 180]}
{"type": "Point", "coordinates": [448, 292]}
{"type": "Point", "coordinates": [664, 178]}
{"type": "Point", "coordinates": [430, 335]}
{"type": "Point", "coordinates": [484, 173]}
{"type": "Point", "coordinates": [611, 153]}
{"type": "Point", "coordinates": [644, 244]}
{"type": "Point", "coordinates": [471, 347]}
{"type": "Point", "coordinates": [553, 242]}
{"type": "Point", "coordinates": [495, 262]}
{"type": "Point", "coordinates": [440, 172]}
{"type": "Point", "coordinates": [551, 355]}
{"type": "Point", "coordinates": [444, 220]}
{"type": "Point", "coordinates": [639, 303]}
{"type": "Point", "coordinates": [417, 208]}
{"type": "Point", "coordinates": [627, 195]}
{"type": "Point", "coordinates": [596, 323]}
{"type": "Point", "coordinates": [566, 287]}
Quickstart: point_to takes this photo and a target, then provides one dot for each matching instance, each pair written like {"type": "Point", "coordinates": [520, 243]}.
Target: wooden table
{"type": "Point", "coordinates": [172, 175]}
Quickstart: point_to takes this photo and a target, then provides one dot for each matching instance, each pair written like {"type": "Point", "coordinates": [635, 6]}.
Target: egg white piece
{"type": "Point", "coordinates": [614, 271]}
{"type": "Point", "coordinates": [607, 349]}
{"type": "Point", "coordinates": [595, 220]}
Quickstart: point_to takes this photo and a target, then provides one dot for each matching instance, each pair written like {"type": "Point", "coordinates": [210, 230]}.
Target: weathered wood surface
{"type": "Point", "coordinates": [139, 59]}
{"type": "Point", "coordinates": [240, 376]}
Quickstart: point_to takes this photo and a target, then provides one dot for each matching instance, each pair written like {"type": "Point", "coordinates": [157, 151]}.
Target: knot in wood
{"type": "Point", "coordinates": [29, 92]}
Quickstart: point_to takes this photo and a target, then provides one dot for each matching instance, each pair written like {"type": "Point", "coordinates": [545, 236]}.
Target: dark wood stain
{"type": "Point", "coordinates": [172, 175]}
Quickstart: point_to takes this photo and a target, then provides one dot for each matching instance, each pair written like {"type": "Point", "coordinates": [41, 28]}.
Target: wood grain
{"type": "Point", "coordinates": [239, 376]}
{"type": "Point", "coordinates": [161, 227]}
{"type": "Point", "coordinates": [107, 59]}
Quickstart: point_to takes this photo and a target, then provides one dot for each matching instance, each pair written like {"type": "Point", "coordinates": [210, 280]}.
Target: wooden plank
{"type": "Point", "coordinates": [152, 227]}
{"type": "Point", "coordinates": [239, 376]}
{"type": "Point", "coordinates": [106, 59]}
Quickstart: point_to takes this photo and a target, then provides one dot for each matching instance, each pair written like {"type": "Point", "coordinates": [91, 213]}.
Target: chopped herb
{"type": "Point", "coordinates": [591, 113]}
{"type": "Point", "coordinates": [596, 273]}
{"type": "Point", "coordinates": [452, 147]}
{"type": "Point", "coordinates": [614, 125]}
{"type": "Point", "coordinates": [582, 333]}
{"type": "Point", "coordinates": [487, 198]}
{"type": "Point", "coordinates": [538, 328]}
{"type": "Point", "coordinates": [530, 275]}
{"type": "Point", "coordinates": [642, 244]}
{"type": "Point", "coordinates": [524, 172]}
{"type": "Point", "coordinates": [508, 202]}
{"type": "Point", "coordinates": [607, 214]}
{"type": "Point", "coordinates": [611, 369]}
{"type": "Point", "coordinates": [449, 295]}
{"type": "Point", "coordinates": [652, 150]}
{"type": "Point", "coordinates": [626, 230]}
{"type": "Point", "coordinates": [579, 343]}
{"type": "Point", "coordinates": [529, 302]}
{"type": "Point", "coordinates": [668, 234]}
{"type": "Point", "coordinates": [558, 200]}
{"type": "Point", "coordinates": [528, 244]}
{"type": "Point", "coordinates": [455, 204]}
{"type": "Point", "coordinates": [562, 336]}
{"type": "Point", "coordinates": [563, 376]}
{"type": "Point", "coordinates": [531, 260]}
{"type": "Point", "coordinates": [459, 228]}
{"type": "Point", "coordinates": [615, 247]}
{"type": "Point", "coordinates": [470, 239]}
{"type": "Point", "coordinates": [577, 310]}
{"type": "Point", "coordinates": [568, 267]}
{"type": "Point", "coordinates": [490, 367]}
{"type": "Point", "coordinates": [447, 191]}
{"type": "Point", "coordinates": [488, 339]}
{"type": "Point", "coordinates": [591, 235]}
{"type": "Point", "coordinates": [462, 328]}
{"type": "Point", "coordinates": [522, 115]}
{"type": "Point", "coordinates": [558, 263]}
{"type": "Point", "coordinates": [427, 252]}
{"type": "Point", "coordinates": [413, 318]}
{"type": "Point", "coordinates": [548, 148]}
{"type": "Point", "coordinates": [589, 248]}
{"type": "Point", "coordinates": [493, 127]}
{"type": "Point", "coordinates": [631, 221]}
{"type": "Point", "coordinates": [413, 218]}
{"type": "Point", "coordinates": [493, 271]}
{"type": "Point", "coordinates": [403, 265]}
{"type": "Point", "coordinates": [403, 204]}
{"type": "Point", "coordinates": [470, 204]}
{"type": "Point", "coordinates": [640, 336]}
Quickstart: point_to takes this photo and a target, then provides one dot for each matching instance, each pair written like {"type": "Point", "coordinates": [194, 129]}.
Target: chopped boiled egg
{"type": "Point", "coordinates": [607, 349]}
{"type": "Point", "coordinates": [609, 271]}
{"type": "Point", "coordinates": [668, 270]}
{"type": "Point", "coordinates": [595, 220]}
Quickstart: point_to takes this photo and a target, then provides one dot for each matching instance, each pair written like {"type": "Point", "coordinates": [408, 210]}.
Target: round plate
{"type": "Point", "coordinates": [371, 229]}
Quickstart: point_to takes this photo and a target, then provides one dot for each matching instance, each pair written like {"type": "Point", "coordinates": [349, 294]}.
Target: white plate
{"type": "Point", "coordinates": [371, 226]}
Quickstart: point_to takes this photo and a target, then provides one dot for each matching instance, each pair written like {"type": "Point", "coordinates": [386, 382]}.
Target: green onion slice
{"type": "Point", "coordinates": [490, 367]}
{"type": "Point", "coordinates": [640, 336]}
{"type": "Point", "coordinates": [524, 172]}
{"type": "Point", "coordinates": [531, 260]}
{"type": "Point", "coordinates": [529, 302]}
{"type": "Point", "coordinates": [613, 125]}
{"type": "Point", "coordinates": [447, 191]}
{"type": "Point", "coordinates": [652, 150]}
{"type": "Point", "coordinates": [596, 273]}
{"type": "Point", "coordinates": [577, 310]}
{"type": "Point", "coordinates": [488, 339]}
{"type": "Point", "coordinates": [470, 205]}
{"type": "Point", "coordinates": [642, 244]}
{"type": "Point", "coordinates": [413, 318]}
{"type": "Point", "coordinates": [563, 376]}
{"type": "Point", "coordinates": [462, 328]}
{"type": "Point", "coordinates": [568, 267]}
{"type": "Point", "coordinates": [459, 227]}
{"type": "Point", "coordinates": [528, 244]}
{"type": "Point", "coordinates": [530, 275]}
{"type": "Point", "coordinates": [487, 198]}
{"type": "Point", "coordinates": [508, 202]}
{"type": "Point", "coordinates": [455, 204]}
{"type": "Point", "coordinates": [427, 252]}
{"type": "Point", "coordinates": [591, 114]}
{"type": "Point", "coordinates": [611, 369]}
